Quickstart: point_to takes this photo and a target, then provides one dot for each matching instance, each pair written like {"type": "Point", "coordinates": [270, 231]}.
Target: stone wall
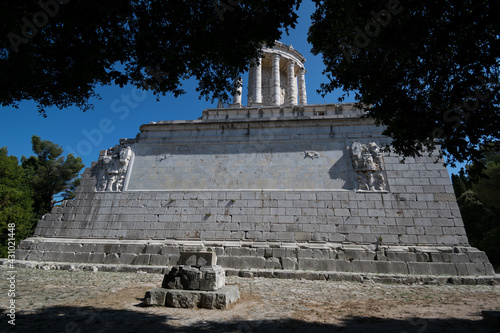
{"type": "Point", "coordinates": [286, 216]}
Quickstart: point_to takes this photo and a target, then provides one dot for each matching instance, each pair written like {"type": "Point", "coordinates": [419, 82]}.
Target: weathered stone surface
{"type": "Point", "coordinates": [156, 296]}
{"type": "Point", "coordinates": [194, 278]}
{"type": "Point", "coordinates": [199, 259]}
{"type": "Point", "coordinates": [183, 298]}
{"type": "Point", "coordinates": [220, 299]}
{"type": "Point", "coordinates": [213, 278]}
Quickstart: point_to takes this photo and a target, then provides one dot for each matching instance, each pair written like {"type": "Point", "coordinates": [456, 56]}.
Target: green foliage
{"type": "Point", "coordinates": [480, 208]}
{"type": "Point", "coordinates": [152, 45]}
{"type": "Point", "coordinates": [459, 186]}
{"type": "Point", "coordinates": [15, 201]}
{"type": "Point", "coordinates": [477, 217]}
{"type": "Point", "coordinates": [429, 70]}
{"type": "Point", "coordinates": [48, 173]}
{"type": "Point", "coordinates": [488, 189]}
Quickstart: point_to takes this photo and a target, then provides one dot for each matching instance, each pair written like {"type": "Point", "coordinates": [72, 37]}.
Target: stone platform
{"type": "Point", "coordinates": [218, 299]}
{"type": "Point", "coordinates": [195, 282]}
{"type": "Point", "coordinates": [246, 255]}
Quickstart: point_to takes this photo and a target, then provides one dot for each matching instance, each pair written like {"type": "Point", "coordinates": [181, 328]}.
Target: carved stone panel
{"type": "Point", "coordinates": [112, 168]}
{"type": "Point", "coordinates": [368, 166]}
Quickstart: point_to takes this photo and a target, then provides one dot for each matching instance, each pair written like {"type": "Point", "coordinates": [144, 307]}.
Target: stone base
{"type": "Point", "coordinates": [492, 280]}
{"type": "Point", "coordinates": [220, 299]}
{"type": "Point", "coordinates": [299, 256]}
{"type": "Point", "coordinates": [209, 278]}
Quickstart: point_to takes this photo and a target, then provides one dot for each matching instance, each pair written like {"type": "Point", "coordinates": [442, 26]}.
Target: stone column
{"type": "Point", "coordinates": [302, 87]}
{"type": "Point", "coordinates": [238, 93]}
{"type": "Point", "coordinates": [251, 79]}
{"type": "Point", "coordinates": [292, 88]}
{"type": "Point", "coordinates": [276, 80]}
{"type": "Point", "coordinates": [257, 96]}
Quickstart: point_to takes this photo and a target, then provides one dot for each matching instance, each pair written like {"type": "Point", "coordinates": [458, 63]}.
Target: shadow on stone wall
{"type": "Point", "coordinates": [92, 319]}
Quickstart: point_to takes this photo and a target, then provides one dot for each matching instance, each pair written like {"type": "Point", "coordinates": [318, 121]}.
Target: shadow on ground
{"type": "Point", "coordinates": [89, 319]}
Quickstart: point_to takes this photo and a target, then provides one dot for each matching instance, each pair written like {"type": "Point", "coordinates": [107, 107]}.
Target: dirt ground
{"type": "Point", "coordinates": [84, 301]}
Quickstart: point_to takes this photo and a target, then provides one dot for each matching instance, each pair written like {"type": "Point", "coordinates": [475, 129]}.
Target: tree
{"type": "Point", "coordinates": [15, 202]}
{"type": "Point", "coordinates": [460, 183]}
{"type": "Point", "coordinates": [427, 70]}
{"type": "Point", "coordinates": [48, 173]}
{"type": "Point", "coordinates": [56, 52]}
{"type": "Point", "coordinates": [480, 207]}
{"type": "Point", "coordinates": [478, 218]}
{"type": "Point", "coordinates": [488, 189]}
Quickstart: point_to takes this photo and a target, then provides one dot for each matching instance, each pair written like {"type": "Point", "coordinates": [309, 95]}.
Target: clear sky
{"type": "Point", "coordinates": [121, 111]}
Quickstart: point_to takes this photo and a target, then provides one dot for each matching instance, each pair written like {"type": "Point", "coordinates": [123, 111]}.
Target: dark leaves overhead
{"type": "Point", "coordinates": [60, 60]}
{"type": "Point", "coordinates": [428, 69]}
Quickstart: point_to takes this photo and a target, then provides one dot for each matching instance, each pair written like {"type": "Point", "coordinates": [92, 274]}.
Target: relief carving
{"type": "Point", "coordinates": [369, 167]}
{"type": "Point", "coordinates": [112, 168]}
{"type": "Point", "coordinates": [311, 154]}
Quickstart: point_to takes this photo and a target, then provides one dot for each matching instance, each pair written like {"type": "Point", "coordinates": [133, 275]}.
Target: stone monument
{"type": "Point", "coordinates": [195, 282]}
{"type": "Point", "coordinates": [274, 185]}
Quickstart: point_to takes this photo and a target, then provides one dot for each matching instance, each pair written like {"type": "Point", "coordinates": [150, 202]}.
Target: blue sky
{"type": "Point", "coordinates": [121, 111]}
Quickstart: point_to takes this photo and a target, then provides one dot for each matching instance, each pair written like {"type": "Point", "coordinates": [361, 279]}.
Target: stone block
{"type": "Point", "coordinates": [477, 256]}
{"type": "Point", "coordinates": [436, 257]}
{"type": "Point", "coordinates": [460, 258]}
{"type": "Point", "coordinates": [362, 266]}
{"type": "Point", "coordinates": [304, 253]}
{"type": "Point", "coordinates": [273, 263]}
{"type": "Point", "coordinates": [190, 277]}
{"type": "Point", "coordinates": [183, 299]}
{"type": "Point", "coordinates": [380, 256]}
{"type": "Point", "coordinates": [317, 264]}
{"type": "Point", "coordinates": [152, 249]}
{"type": "Point", "coordinates": [419, 268]}
{"type": "Point", "coordinates": [21, 254]}
{"type": "Point", "coordinates": [96, 258]}
{"type": "Point", "coordinates": [442, 268]}
{"type": "Point", "coordinates": [399, 267]}
{"type": "Point", "coordinates": [461, 269]}
{"type": "Point", "coordinates": [422, 257]}
{"type": "Point", "coordinates": [142, 259]}
{"type": "Point", "coordinates": [488, 269]}
{"type": "Point", "coordinates": [382, 267]}
{"type": "Point", "coordinates": [475, 269]}
{"type": "Point", "coordinates": [213, 278]}
{"type": "Point", "coordinates": [289, 263]}
{"type": "Point", "coordinates": [159, 260]}
{"type": "Point", "coordinates": [112, 258]}
{"type": "Point", "coordinates": [401, 256]}
{"type": "Point", "coordinates": [194, 278]}
{"type": "Point", "coordinates": [80, 257]}
{"type": "Point", "coordinates": [25, 245]}
{"type": "Point", "coordinates": [343, 266]}
{"type": "Point", "coordinates": [127, 258]}
{"type": "Point", "coordinates": [220, 299]}
{"type": "Point", "coordinates": [156, 296]}
{"type": "Point", "coordinates": [302, 236]}
{"type": "Point", "coordinates": [197, 258]}
{"type": "Point", "coordinates": [350, 254]}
